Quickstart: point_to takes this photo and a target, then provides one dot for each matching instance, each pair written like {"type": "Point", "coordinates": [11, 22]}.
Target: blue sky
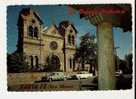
{"type": "Point", "coordinates": [56, 14]}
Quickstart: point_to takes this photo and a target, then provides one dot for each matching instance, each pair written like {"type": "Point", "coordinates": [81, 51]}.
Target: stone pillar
{"type": "Point", "coordinates": [105, 43]}
{"type": "Point", "coordinates": [106, 63]}
{"type": "Point", "coordinates": [104, 22]}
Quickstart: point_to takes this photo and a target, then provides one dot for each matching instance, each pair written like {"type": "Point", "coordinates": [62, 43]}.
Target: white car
{"type": "Point", "coordinates": [56, 76]}
{"type": "Point", "coordinates": [84, 75]}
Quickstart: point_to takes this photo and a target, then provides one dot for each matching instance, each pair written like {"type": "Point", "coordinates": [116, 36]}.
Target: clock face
{"type": "Point", "coordinates": [53, 45]}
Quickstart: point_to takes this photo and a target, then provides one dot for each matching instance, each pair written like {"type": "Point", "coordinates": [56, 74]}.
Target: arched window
{"type": "Point", "coordinates": [31, 61]}
{"type": "Point", "coordinates": [73, 64]}
{"type": "Point", "coordinates": [73, 40]}
{"type": "Point", "coordinates": [36, 61]}
{"type": "Point", "coordinates": [36, 32]}
{"type": "Point", "coordinates": [30, 33]}
{"type": "Point", "coordinates": [70, 62]}
{"type": "Point", "coordinates": [69, 39]}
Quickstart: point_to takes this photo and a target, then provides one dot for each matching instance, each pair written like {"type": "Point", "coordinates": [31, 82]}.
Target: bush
{"type": "Point", "coordinates": [16, 62]}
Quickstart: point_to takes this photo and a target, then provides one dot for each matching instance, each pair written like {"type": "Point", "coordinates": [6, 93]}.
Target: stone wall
{"type": "Point", "coordinates": [24, 78]}
{"type": "Point", "coordinates": [26, 82]}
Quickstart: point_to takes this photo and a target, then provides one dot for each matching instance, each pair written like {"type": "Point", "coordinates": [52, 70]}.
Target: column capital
{"type": "Point", "coordinates": [115, 20]}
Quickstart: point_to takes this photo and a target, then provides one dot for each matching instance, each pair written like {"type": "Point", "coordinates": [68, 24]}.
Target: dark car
{"type": "Point", "coordinates": [72, 77]}
{"type": "Point", "coordinates": [123, 81]}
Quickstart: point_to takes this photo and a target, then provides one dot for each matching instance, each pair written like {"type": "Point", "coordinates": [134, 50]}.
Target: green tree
{"type": "Point", "coordinates": [123, 66]}
{"type": "Point", "coordinates": [86, 52]}
{"type": "Point", "coordinates": [16, 62]}
{"type": "Point", "coordinates": [128, 58]}
{"type": "Point", "coordinates": [126, 64]}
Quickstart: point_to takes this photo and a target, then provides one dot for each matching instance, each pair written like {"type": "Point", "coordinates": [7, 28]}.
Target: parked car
{"type": "Point", "coordinates": [84, 75]}
{"type": "Point", "coordinates": [56, 76]}
{"type": "Point", "coordinates": [118, 73]}
{"type": "Point", "coordinates": [73, 77]}
{"type": "Point", "coordinates": [43, 79]}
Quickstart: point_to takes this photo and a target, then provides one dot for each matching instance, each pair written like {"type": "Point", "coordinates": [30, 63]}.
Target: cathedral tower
{"type": "Point", "coordinates": [69, 32]}
{"type": "Point", "coordinates": [30, 38]}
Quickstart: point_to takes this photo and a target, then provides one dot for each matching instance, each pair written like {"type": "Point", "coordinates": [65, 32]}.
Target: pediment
{"type": "Point", "coordinates": [53, 31]}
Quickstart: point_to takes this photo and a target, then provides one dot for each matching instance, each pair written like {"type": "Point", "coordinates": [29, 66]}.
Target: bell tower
{"type": "Point", "coordinates": [30, 37]}
{"type": "Point", "coordinates": [69, 32]}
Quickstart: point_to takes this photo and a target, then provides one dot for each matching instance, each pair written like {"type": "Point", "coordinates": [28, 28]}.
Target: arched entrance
{"type": "Point", "coordinates": [53, 62]}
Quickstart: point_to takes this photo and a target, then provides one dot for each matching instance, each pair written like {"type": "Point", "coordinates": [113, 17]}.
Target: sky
{"type": "Point", "coordinates": [54, 14]}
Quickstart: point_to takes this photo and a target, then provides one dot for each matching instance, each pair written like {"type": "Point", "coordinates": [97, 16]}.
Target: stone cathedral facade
{"type": "Point", "coordinates": [51, 48]}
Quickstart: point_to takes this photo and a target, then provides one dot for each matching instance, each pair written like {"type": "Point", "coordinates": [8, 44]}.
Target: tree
{"type": "Point", "coordinates": [123, 66]}
{"type": "Point", "coordinates": [16, 62]}
{"type": "Point", "coordinates": [126, 65]}
{"type": "Point", "coordinates": [128, 58]}
{"type": "Point", "coordinates": [86, 53]}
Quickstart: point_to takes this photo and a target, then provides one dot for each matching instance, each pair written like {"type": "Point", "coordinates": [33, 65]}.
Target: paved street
{"type": "Point", "coordinates": [71, 85]}
{"type": "Point", "coordinates": [123, 82]}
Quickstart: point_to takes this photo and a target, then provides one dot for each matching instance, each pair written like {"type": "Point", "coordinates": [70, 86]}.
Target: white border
{"type": "Point", "coordinates": [27, 2]}
{"type": "Point", "coordinates": [127, 94]}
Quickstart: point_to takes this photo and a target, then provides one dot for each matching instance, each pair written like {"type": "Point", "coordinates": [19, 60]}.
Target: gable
{"type": "Point", "coordinates": [71, 29]}
{"type": "Point", "coordinates": [52, 31]}
{"type": "Point", "coordinates": [37, 17]}
{"type": "Point", "coordinates": [29, 14]}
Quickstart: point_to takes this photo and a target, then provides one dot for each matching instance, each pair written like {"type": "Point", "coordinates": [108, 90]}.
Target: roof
{"type": "Point", "coordinates": [26, 12]}
{"type": "Point", "coordinates": [64, 24]}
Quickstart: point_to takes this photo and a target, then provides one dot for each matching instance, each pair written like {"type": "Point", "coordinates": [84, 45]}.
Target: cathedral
{"type": "Point", "coordinates": [50, 49]}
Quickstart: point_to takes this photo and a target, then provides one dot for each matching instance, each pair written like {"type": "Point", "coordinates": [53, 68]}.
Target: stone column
{"type": "Point", "coordinates": [105, 19]}
{"type": "Point", "coordinates": [105, 43]}
{"type": "Point", "coordinates": [106, 62]}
